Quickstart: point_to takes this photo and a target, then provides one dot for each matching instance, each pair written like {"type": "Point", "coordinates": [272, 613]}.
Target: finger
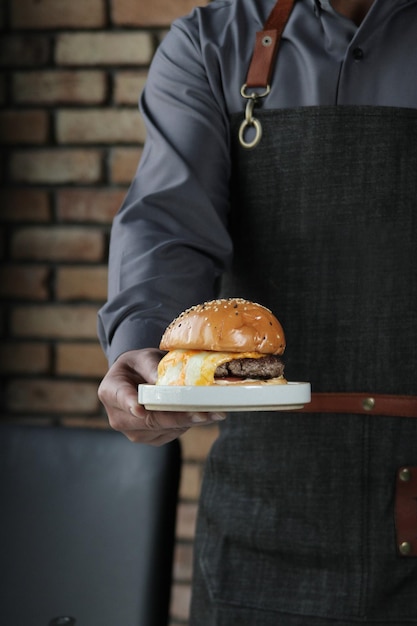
{"type": "Point", "coordinates": [151, 433]}
{"type": "Point", "coordinates": [166, 420]}
{"type": "Point", "coordinates": [153, 437]}
{"type": "Point", "coordinates": [201, 418]}
{"type": "Point", "coordinates": [158, 421]}
{"type": "Point", "coordinates": [118, 394]}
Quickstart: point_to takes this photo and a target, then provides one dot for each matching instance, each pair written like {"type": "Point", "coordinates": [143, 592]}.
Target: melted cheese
{"type": "Point", "coordinates": [192, 367]}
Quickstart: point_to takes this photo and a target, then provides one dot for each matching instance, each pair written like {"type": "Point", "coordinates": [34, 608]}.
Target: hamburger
{"type": "Point", "coordinates": [223, 342]}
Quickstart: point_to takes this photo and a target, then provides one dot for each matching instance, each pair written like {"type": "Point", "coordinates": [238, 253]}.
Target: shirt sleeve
{"type": "Point", "coordinates": [169, 242]}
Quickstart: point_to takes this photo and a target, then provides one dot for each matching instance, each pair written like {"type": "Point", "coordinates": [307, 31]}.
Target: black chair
{"type": "Point", "coordinates": [87, 526]}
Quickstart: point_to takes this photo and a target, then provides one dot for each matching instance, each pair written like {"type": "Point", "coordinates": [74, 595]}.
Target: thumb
{"type": "Point", "coordinates": [145, 362]}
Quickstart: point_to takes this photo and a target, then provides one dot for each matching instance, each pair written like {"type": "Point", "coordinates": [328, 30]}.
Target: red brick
{"type": "Point", "coordinates": [81, 283]}
{"type": "Point", "coordinates": [23, 50]}
{"type": "Point", "coordinates": [55, 321]}
{"type": "Point", "coordinates": [196, 442]}
{"type": "Point", "coordinates": [57, 243]}
{"type": "Point", "coordinates": [123, 164]}
{"type": "Point", "coordinates": [66, 86]}
{"type": "Point", "coordinates": [80, 359]}
{"type": "Point", "coordinates": [27, 282]}
{"type": "Point", "coordinates": [155, 13]}
{"type": "Point", "coordinates": [161, 34]}
{"type": "Point", "coordinates": [106, 48]}
{"type": "Point", "coordinates": [51, 396]}
{"type": "Point", "coordinates": [190, 483]}
{"type": "Point", "coordinates": [186, 520]}
{"type": "Point", "coordinates": [100, 126]}
{"type": "Point", "coordinates": [52, 166]}
{"type": "Point", "coordinates": [57, 13]}
{"type": "Point", "coordinates": [180, 601]}
{"type": "Point", "coordinates": [24, 126]}
{"type": "Point", "coordinates": [19, 205]}
{"type": "Point", "coordinates": [128, 86]}
{"type": "Point", "coordinates": [24, 358]}
{"type": "Point", "coordinates": [89, 205]}
{"type": "Point", "coordinates": [183, 562]}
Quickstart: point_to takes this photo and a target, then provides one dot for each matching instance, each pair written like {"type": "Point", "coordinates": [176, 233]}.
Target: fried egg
{"type": "Point", "coordinates": [194, 367]}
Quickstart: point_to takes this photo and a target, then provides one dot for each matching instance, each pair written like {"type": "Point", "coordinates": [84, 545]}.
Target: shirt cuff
{"type": "Point", "coordinates": [134, 335]}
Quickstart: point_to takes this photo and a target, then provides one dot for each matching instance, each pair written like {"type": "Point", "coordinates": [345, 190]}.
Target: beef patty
{"type": "Point", "coordinates": [269, 366]}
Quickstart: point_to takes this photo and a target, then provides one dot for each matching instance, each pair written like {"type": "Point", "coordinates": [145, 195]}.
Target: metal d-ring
{"type": "Point", "coordinates": [250, 120]}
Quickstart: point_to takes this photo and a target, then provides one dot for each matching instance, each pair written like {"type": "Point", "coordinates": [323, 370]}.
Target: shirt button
{"type": "Point", "coordinates": [357, 54]}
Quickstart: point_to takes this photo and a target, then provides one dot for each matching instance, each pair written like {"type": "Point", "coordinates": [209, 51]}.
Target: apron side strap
{"type": "Point", "coordinates": [405, 511]}
{"type": "Point", "coordinates": [362, 404]}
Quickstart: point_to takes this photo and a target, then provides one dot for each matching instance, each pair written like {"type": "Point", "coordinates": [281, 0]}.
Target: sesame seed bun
{"type": "Point", "coordinates": [226, 325]}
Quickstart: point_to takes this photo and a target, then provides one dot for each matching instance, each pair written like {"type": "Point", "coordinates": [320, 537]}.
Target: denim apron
{"type": "Point", "coordinates": [296, 520]}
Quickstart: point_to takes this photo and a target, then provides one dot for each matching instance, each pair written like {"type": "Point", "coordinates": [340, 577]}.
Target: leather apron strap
{"type": "Point", "coordinates": [266, 45]}
{"type": "Point", "coordinates": [260, 69]}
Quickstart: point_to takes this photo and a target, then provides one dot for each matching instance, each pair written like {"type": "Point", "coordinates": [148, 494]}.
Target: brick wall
{"type": "Point", "coordinates": [71, 135]}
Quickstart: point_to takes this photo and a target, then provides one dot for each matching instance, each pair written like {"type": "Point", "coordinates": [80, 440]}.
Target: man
{"type": "Point", "coordinates": [301, 194]}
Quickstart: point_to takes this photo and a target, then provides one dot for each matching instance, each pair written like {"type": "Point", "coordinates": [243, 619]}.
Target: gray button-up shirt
{"type": "Point", "coordinates": [170, 241]}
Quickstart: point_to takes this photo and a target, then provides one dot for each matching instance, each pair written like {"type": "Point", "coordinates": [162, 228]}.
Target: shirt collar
{"type": "Point", "coordinates": [324, 4]}
{"type": "Point", "coordinates": [320, 5]}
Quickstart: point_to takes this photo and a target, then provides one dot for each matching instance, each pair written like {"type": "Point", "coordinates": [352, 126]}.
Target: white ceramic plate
{"type": "Point", "coordinates": [293, 395]}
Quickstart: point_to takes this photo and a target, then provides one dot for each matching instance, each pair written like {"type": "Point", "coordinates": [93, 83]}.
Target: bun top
{"type": "Point", "coordinates": [228, 325]}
